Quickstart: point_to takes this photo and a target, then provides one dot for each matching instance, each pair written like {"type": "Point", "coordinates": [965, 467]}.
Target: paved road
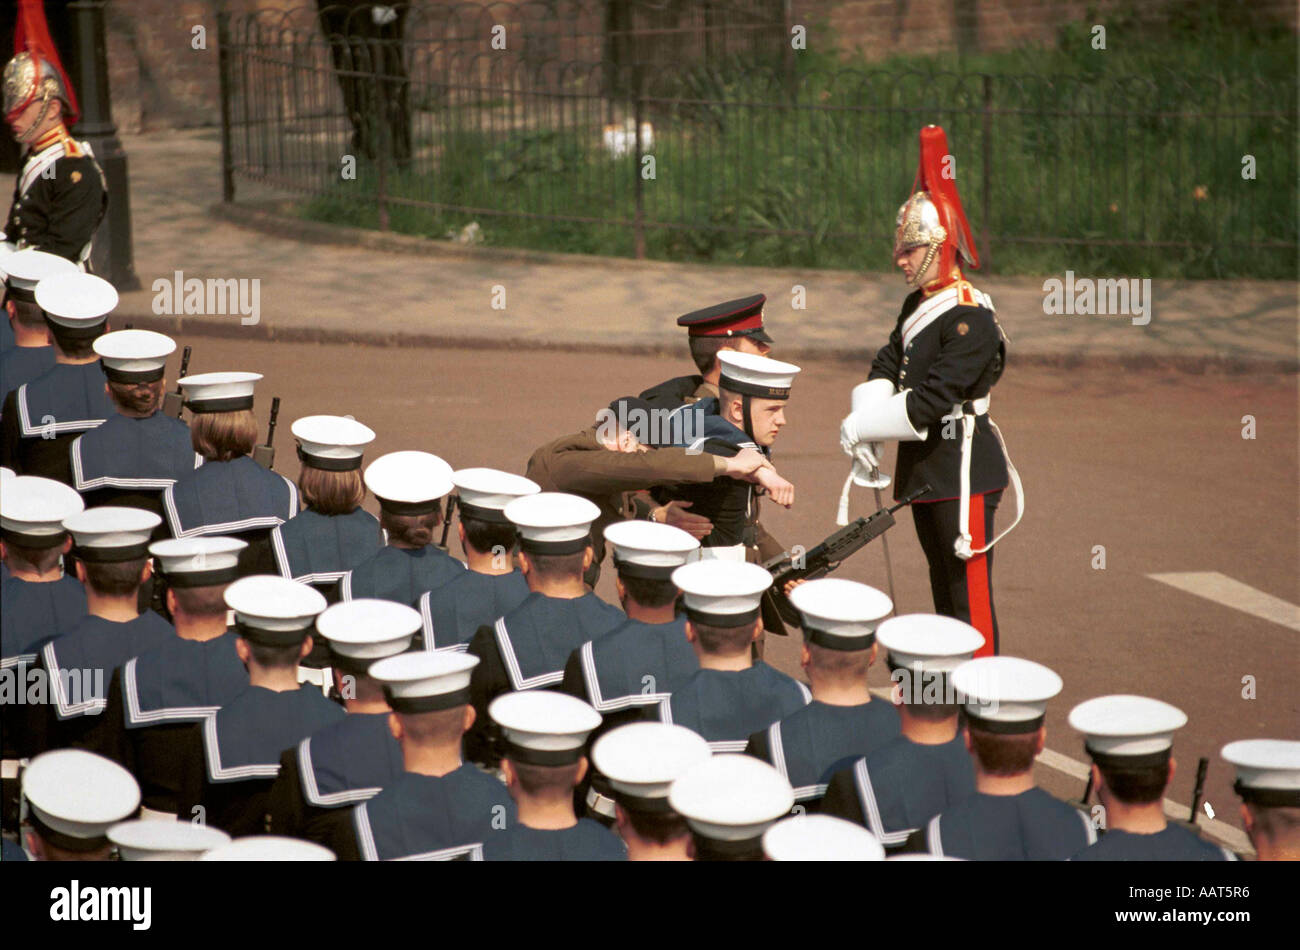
{"type": "Point", "coordinates": [1151, 466]}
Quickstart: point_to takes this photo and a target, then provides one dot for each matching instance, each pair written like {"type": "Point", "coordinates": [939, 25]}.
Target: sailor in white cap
{"type": "Point", "coordinates": [647, 656]}
{"type": "Point", "coordinates": [38, 598]}
{"type": "Point", "coordinates": [545, 739]}
{"type": "Point", "coordinates": [1131, 742]}
{"type": "Point", "coordinates": [230, 765]}
{"type": "Point", "coordinates": [749, 413]}
{"type": "Point", "coordinates": [409, 487]}
{"type": "Point", "coordinates": [842, 722]}
{"type": "Point", "coordinates": [351, 760]}
{"type": "Point", "coordinates": [1268, 783]}
{"type": "Point", "coordinates": [41, 418]}
{"type": "Point", "coordinates": [900, 786]}
{"type": "Point", "coordinates": [640, 762]}
{"type": "Point", "coordinates": [139, 450]}
{"type": "Point", "coordinates": [155, 697]}
{"type": "Point", "coordinates": [732, 695]}
{"type": "Point", "coordinates": [820, 838]}
{"type": "Point", "coordinates": [527, 647]}
{"type": "Point", "coordinates": [268, 848]}
{"type": "Point", "coordinates": [229, 494]}
{"type": "Point", "coordinates": [75, 797]}
{"type": "Point", "coordinates": [145, 840]}
{"type": "Point", "coordinates": [493, 585]}
{"type": "Point", "coordinates": [332, 533]}
{"type": "Point", "coordinates": [31, 353]}
{"type": "Point", "coordinates": [729, 801]}
{"type": "Point", "coordinates": [1008, 818]}
{"type": "Point", "coordinates": [112, 550]}
{"type": "Point", "coordinates": [439, 807]}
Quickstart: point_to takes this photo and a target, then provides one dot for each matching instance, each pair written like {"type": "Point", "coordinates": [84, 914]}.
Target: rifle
{"type": "Point", "coordinates": [446, 521]}
{"type": "Point", "coordinates": [828, 555]}
{"type": "Point", "coordinates": [264, 455]}
{"type": "Point", "coordinates": [1201, 768]}
{"type": "Point", "coordinates": [174, 403]}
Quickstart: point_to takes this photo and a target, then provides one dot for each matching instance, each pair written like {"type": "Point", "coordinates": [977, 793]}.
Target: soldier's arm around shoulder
{"type": "Point", "coordinates": [969, 341]}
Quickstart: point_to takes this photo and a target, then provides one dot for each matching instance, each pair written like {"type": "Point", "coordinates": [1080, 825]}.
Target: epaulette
{"type": "Point", "coordinates": [966, 294]}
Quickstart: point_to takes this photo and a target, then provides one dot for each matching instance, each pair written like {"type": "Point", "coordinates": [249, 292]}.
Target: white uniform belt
{"type": "Point", "coordinates": [600, 804]}
{"type": "Point", "coordinates": [981, 407]}
{"type": "Point", "coordinates": [962, 545]}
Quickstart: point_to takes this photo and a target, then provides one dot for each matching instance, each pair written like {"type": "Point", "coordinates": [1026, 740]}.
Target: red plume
{"type": "Point", "coordinates": [935, 161]}
{"type": "Point", "coordinates": [32, 35]}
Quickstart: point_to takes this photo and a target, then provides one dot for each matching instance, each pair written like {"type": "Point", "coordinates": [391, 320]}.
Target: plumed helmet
{"type": "Point", "coordinates": [932, 216]}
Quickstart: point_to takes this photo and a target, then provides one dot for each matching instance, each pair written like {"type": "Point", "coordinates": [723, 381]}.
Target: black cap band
{"type": "Point", "coordinates": [1125, 763]}
{"type": "Point", "coordinates": [132, 375]}
{"type": "Point", "coordinates": [837, 641]}
{"type": "Point", "coordinates": [410, 508]}
{"type": "Point", "coordinates": [328, 464]}
{"type": "Point", "coordinates": [711, 849]}
{"type": "Point", "coordinates": [65, 841]}
{"type": "Point", "coordinates": [1004, 727]}
{"type": "Point", "coordinates": [723, 620]}
{"type": "Point", "coordinates": [639, 803]}
{"type": "Point", "coordinates": [23, 294]}
{"type": "Point", "coordinates": [87, 332]}
{"type": "Point", "coordinates": [113, 555]}
{"type": "Point", "coordinates": [186, 579]}
{"type": "Point", "coordinates": [555, 547]}
{"type": "Point", "coordinates": [480, 513]}
{"type": "Point", "coordinates": [1267, 797]}
{"type": "Point", "coordinates": [222, 404]}
{"type": "Point", "coordinates": [37, 541]}
{"type": "Point", "coordinates": [355, 665]}
{"type": "Point", "coordinates": [753, 389]}
{"type": "Point", "coordinates": [526, 756]}
{"type": "Point", "coordinates": [651, 572]}
{"type": "Point", "coordinates": [426, 704]}
{"type": "Point", "coordinates": [271, 638]}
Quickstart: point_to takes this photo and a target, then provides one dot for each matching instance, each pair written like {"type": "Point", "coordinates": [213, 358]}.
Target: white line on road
{"type": "Point", "coordinates": [1224, 590]}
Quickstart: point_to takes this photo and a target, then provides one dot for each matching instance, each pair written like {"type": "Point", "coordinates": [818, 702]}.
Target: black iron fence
{"type": "Point", "coordinates": [694, 131]}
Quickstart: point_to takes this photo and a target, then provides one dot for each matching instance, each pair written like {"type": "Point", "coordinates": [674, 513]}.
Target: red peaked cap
{"type": "Point", "coordinates": [32, 35]}
{"type": "Point", "coordinates": [942, 189]}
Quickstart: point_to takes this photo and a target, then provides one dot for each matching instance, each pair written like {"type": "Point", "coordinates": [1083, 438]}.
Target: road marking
{"type": "Point", "coordinates": [1224, 590]}
{"type": "Point", "coordinates": [1226, 834]}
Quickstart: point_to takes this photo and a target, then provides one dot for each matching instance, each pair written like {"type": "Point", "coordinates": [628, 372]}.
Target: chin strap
{"type": "Point", "coordinates": [746, 417]}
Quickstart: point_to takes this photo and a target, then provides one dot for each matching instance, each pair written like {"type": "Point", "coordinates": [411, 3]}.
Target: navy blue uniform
{"type": "Point", "coordinates": [900, 786]}
{"type": "Point", "coordinates": [453, 612]}
{"type": "Point", "coordinates": [36, 611]}
{"type": "Point", "coordinates": [635, 664]}
{"type": "Point", "coordinates": [60, 197]}
{"type": "Point", "coordinates": [671, 393]}
{"type": "Point", "coordinates": [347, 762]}
{"type": "Point", "coordinates": [152, 701]}
{"type": "Point", "coordinates": [22, 364]}
{"type": "Point", "coordinates": [400, 574]}
{"type": "Point", "coordinates": [7, 340]}
{"type": "Point", "coordinates": [238, 753]}
{"type": "Point", "coordinates": [429, 818]}
{"type": "Point", "coordinates": [586, 841]}
{"type": "Point", "coordinates": [1175, 843]}
{"type": "Point", "coordinates": [527, 649]}
{"type": "Point", "coordinates": [1031, 826]}
{"type": "Point", "coordinates": [726, 707]}
{"type": "Point", "coordinates": [812, 743]}
{"type": "Point", "coordinates": [40, 419]}
{"type": "Point", "coordinates": [948, 349]}
{"type": "Point", "coordinates": [131, 462]}
{"type": "Point", "coordinates": [235, 498]}
{"type": "Point", "coordinates": [312, 548]}
{"type": "Point", "coordinates": [87, 654]}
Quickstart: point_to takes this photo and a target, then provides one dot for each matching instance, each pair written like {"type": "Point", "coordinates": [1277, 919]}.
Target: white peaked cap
{"type": "Point", "coordinates": [36, 507]}
{"type": "Point", "coordinates": [542, 727]}
{"type": "Point", "coordinates": [552, 518]}
{"type": "Point", "coordinates": [425, 680]}
{"type": "Point", "coordinates": [368, 628]}
{"type": "Point", "coordinates": [754, 375]}
{"type": "Point", "coordinates": [820, 838]}
{"type": "Point", "coordinates": [145, 840]}
{"type": "Point", "coordinates": [134, 354]}
{"type": "Point", "coordinates": [219, 392]}
{"type": "Point", "coordinates": [485, 492]}
{"type": "Point", "coordinates": [731, 797]}
{"type": "Point", "coordinates": [720, 589]}
{"type": "Point", "coordinates": [1005, 693]}
{"type": "Point", "coordinates": [1127, 725]}
{"type": "Point", "coordinates": [269, 848]}
{"type": "Point", "coordinates": [643, 759]}
{"type": "Point", "coordinates": [928, 642]}
{"type": "Point", "coordinates": [840, 614]}
{"type": "Point", "coordinates": [643, 544]}
{"type": "Point", "coordinates": [79, 794]}
{"type": "Point", "coordinates": [332, 442]}
{"type": "Point", "coordinates": [409, 478]}
{"type": "Point", "coordinates": [1268, 770]}
{"type": "Point", "coordinates": [76, 300]}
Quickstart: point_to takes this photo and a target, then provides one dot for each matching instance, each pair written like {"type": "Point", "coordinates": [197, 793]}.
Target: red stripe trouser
{"type": "Point", "coordinates": [961, 589]}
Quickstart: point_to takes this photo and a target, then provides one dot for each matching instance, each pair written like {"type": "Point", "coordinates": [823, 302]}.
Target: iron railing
{"type": "Point", "coordinates": [692, 131]}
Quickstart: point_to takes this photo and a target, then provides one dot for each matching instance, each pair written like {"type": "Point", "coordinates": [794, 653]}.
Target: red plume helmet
{"type": "Point", "coordinates": [932, 216]}
{"type": "Point", "coordinates": [35, 72]}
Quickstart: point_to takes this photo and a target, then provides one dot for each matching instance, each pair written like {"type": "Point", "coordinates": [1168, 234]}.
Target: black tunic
{"type": "Point", "coordinates": [60, 197]}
